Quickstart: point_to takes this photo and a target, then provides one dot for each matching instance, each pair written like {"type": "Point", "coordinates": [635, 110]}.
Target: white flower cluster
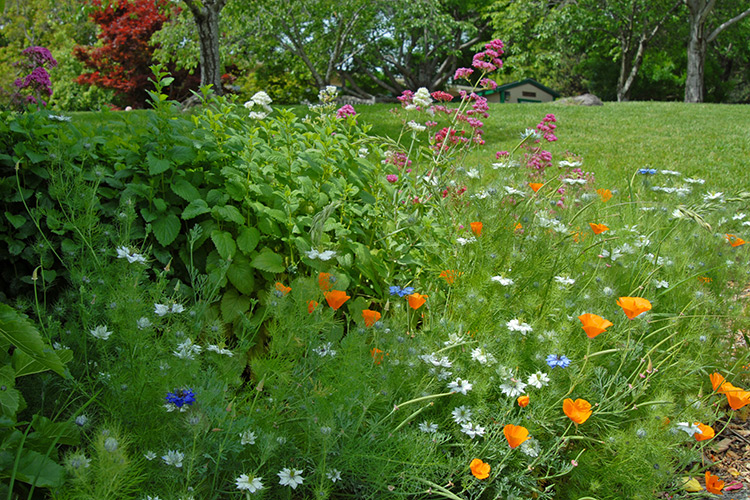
{"type": "Point", "coordinates": [125, 253]}
{"type": "Point", "coordinates": [415, 127]}
{"type": "Point", "coordinates": [164, 309]}
{"type": "Point", "coordinates": [422, 97]}
{"type": "Point", "coordinates": [187, 349]}
{"type": "Point", "coordinates": [515, 325]}
{"type": "Point", "coordinates": [260, 99]}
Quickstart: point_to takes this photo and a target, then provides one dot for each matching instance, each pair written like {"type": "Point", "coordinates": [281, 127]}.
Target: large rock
{"type": "Point", "coordinates": [582, 100]}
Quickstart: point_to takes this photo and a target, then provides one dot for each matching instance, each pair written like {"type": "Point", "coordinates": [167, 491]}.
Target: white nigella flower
{"type": "Point", "coordinates": [531, 133]}
{"type": "Point", "coordinates": [461, 414]}
{"type": "Point", "coordinates": [690, 180]}
{"type": "Point", "coordinates": [689, 428]}
{"type": "Point", "coordinates": [173, 457]}
{"type": "Point", "coordinates": [513, 388]}
{"type": "Point", "coordinates": [247, 437]}
{"type": "Point", "coordinates": [422, 97]}
{"type": "Point", "coordinates": [564, 280]}
{"type": "Point", "coordinates": [143, 323]}
{"type": "Point", "coordinates": [324, 256]}
{"type": "Point", "coordinates": [432, 359]}
{"type": "Point", "coordinates": [460, 385]}
{"type": "Point", "coordinates": [512, 190]}
{"type": "Point", "coordinates": [428, 427]}
{"type": "Point", "coordinates": [567, 163]}
{"type": "Point", "coordinates": [670, 172]}
{"type": "Point", "coordinates": [739, 216]}
{"type": "Point", "coordinates": [161, 309]}
{"type": "Point", "coordinates": [464, 241]}
{"type": "Point", "coordinates": [538, 380]}
{"type": "Point", "coordinates": [482, 357]}
{"type": "Point", "coordinates": [125, 253]}
{"type": "Point", "coordinates": [187, 349]}
{"type": "Point", "coordinates": [249, 483]}
{"type": "Point", "coordinates": [453, 339]}
{"type": "Point", "coordinates": [502, 281]}
{"type": "Point", "coordinates": [416, 127]}
{"type": "Point", "coordinates": [324, 350]}
{"type": "Point", "coordinates": [219, 350]}
{"type": "Point", "coordinates": [77, 461]}
{"type": "Point", "coordinates": [149, 455]}
{"type": "Point", "coordinates": [290, 477]}
{"type": "Point", "coordinates": [334, 475]}
{"type": "Point", "coordinates": [177, 308]}
{"type": "Point", "coordinates": [661, 284]}
{"type": "Point", "coordinates": [530, 448]}
{"type": "Point", "coordinates": [642, 241]}
{"type": "Point", "coordinates": [574, 181]}
{"type": "Point", "coordinates": [713, 195]}
{"type": "Point", "coordinates": [516, 326]}
{"type": "Point", "coordinates": [60, 118]}
{"type": "Point", "coordinates": [472, 430]}
{"type": "Point", "coordinates": [609, 292]}
{"type": "Point", "coordinates": [473, 173]}
{"type": "Point", "coordinates": [100, 332]}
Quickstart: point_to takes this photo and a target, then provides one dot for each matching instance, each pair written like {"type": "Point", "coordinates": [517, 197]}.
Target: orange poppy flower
{"type": "Point", "coordinates": [536, 186]}
{"type": "Point", "coordinates": [515, 434]}
{"type": "Point", "coordinates": [416, 300]}
{"type": "Point", "coordinates": [734, 240]}
{"type": "Point", "coordinates": [450, 275]}
{"type": "Point", "coordinates": [324, 281]}
{"type": "Point", "coordinates": [476, 228]}
{"type": "Point", "coordinates": [593, 325]}
{"type": "Point", "coordinates": [717, 381]}
{"type": "Point", "coordinates": [604, 194]}
{"type": "Point", "coordinates": [713, 485]}
{"type": "Point", "coordinates": [523, 401]}
{"type": "Point", "coordinates": [480, 469]}
{"type": "Point", "coordinates": [736, 397]}
{"type": "Point", "coordinates": [517, 227]}
{"type": "Point", "coordinates": [704, 279]}
{"type": "Point", "coordinates": [311, 305]}
{"type": "Point", "coordinates": [634, 306]}
{"type": "Point", "coordinates": [598, 228]}
{"type": "Point", "coordinates": [706, 432]}
{"type": "Point", "coordinates": [336, 298]}
{"type": "Point", "coordinates": [282, 288]}
{"type": "Point", "coordinates": [370, 317]}
{"type": "Point", "coordinates": [578, 411]}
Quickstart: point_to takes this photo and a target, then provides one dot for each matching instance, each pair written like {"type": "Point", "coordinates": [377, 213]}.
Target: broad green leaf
{"type": "Point", "coordinates": [195, 208]}
{"type": "Point", "coordinates": [40, 471]}
{"type": "Point", "coordinates": [21, 333]}
{"type": "Point", "coordinates": [10, 398]}
{"type": "Point", "coordinates": [233, 305]}
{"type": "Point", "coordinates": [268, 260]}
{"type": "Point", "coordinates": [160, 205]}
{"type": "Point", "coordinates": [185, 190]}
{"type": "Point", "coordinates": [241, 274]}
{"type": "Point", "coordinates": [16, 219]}
{"type": "Point", "coordinates": [156, 165]}
{"type": "Point", "coordinates": [23, 364]}
{"type": "Point", "coordinates": [248, 239]}
{"type": "Point", "coordinates": [166, 228]}
{"type": "Point", "coordinates": [65, 432]}
{"type": "Point", "coordinates": [181, 154]}
{"type": "Point", "coordinates": [224, 243]}
{"type": "Point", "coordinates": [228, 213]}
{"type": "Point", "coordinates": [36, 157]}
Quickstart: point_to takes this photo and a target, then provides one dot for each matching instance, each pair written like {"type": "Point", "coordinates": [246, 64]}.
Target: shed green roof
{"type": "Point", "coordinates": [508, 86]}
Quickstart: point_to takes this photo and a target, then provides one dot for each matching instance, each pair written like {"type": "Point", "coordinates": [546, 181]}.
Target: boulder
{"type": "Point", "coordinates": [582, 100]}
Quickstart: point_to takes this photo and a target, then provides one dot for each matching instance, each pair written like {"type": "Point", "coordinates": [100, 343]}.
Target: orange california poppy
{"type": "Point", "coordinates": [536, 186]}
{"type": "Point", "coordinates": [450, 275]}
{"type": "Point", "coordinates": [706, 432]}
{"type": "Point", "coordinates": [736, 397]}
{"type": "Point", "coordinates": [476, 228]}
{"type": "Point", "coordinates": [480, 469]}
{"type": "Point", "coordinates": [377, 355]}
{"type": "Point", "coordinates": [734, 240]}
{"type": "Point", "coordinates": [634, 306]}
{"type": "Point", "coordinates": [598, 228]}
{"type": "Point", "coordinates": [336, 298]}
{"type": "Point", "coordinates": [717, 381]}
{"type": "Point", "coordinates": [282, 288]}
{"type": "Point", "coordinates": [713, 485]}
{"type": "Point", "coordinates": [324, 281]}
{"type": "Point", "coordinates": [578, 411]}
{"type": "Point", "coordinates": [311, 305]}
{"type": "Point", "coordinates": [370, 317]}
{"type": "Point", "coordinates": [604, 194]}
{"type": "Point", "coordinates": [416, 300]}
{"type": "Point", "coordinates": [517, 227]}
{"type": "Point", "coordinates": [593, 325]}
{"type": "Point", "coordinates": [515, 434]}
{"type": "Point", "coordinates": [523, 401]}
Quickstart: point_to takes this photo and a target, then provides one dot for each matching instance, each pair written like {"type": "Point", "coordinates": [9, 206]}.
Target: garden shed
{"type": "Point", "coordinates": [527, 90]}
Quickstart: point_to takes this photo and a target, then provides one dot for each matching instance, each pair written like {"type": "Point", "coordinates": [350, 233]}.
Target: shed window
{"type": "Point", "coordinates": [526, 93]}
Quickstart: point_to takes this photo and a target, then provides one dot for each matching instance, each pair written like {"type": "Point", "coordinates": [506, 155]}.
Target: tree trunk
{"type": "Point", "coordinates": [696, 56]}
{"type": "Point", "coordinates": [207, 20]}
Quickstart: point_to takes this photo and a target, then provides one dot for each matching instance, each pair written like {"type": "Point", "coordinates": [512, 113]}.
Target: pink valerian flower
{"type": "Point", "coordinates": [430, 123]}
{"type": "Point", "coordinates": [391, 178]}
{"type": "Point", "coordinates": [396, 158]}
{"type": "Point", "coordinates": [488, 84]}
{"type": "Point", "coordinates": [502, 154]}
{"type": "Point", "coordinates": [345, 110]}
{"type": "Point", "coordinates": [497, 45]}
{"type": "Point", "coordinates": [439, 95]}
{"type": "Point", "coordinates": [479, 107]}
{"type": "Point", "coordinates": [37, 56]}
{"type": "Point", "coordinates": [538, 161]}
{"type": "Point", "coordinates": [547, 126]}
{"type": "Point", "coordinates": [463, 73]}
{"type": "Point", "coordinates": [474, 123]}
{"type": "Point", "coordinates": [406, 97]}
{"type": "Point", "coordinates": [446, 137]}
{"type": "Point", "coordinates": [488, 60]}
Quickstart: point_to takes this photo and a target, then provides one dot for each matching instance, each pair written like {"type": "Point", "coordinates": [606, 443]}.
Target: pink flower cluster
{"type": "Point", "coordinates": [463, 73]}
{"type": "Point", "coordinates": [547, 126]}
{"type": "Point", "coordinates": [37, 81]}
{"type": "Point", "coordinates": [391, 178]}
{"type": "Point", "coordinates": [439, 95]}
{"type": "Point", "coordinates": [345, 110]}
{"type": "Point", "coordinates": [397, 158]}
{"type": "Point", "coordinates": [489, 59]}
{"type": "Point", "coordinates": [538, 161]}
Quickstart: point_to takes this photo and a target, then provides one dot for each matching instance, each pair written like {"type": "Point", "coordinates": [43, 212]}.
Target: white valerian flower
{"type": "Point", "coordinates": [100, 332]}
{"type": "Point", "coordinates": [249, 483]}
{"type": "Point", "coordinates": [261, 99]}
{"type": "Point", "coordinates": [290, 477]}
{"type": "Point", "coordinates": [482, 357]}
{"type": "Point", "coordinates": [143, 323]}
{"type": "Point", "coordinates": [564, 280]}
{"type": "Point", "coordinates": [516, 326]}
{"type": "Point", "coordinates": [502, 281]}
{"type": "Point", "coordinates": [187, 349]}
{"type": "Point", "coordinates": [416, 127]}
{"type": "Point", "coordinates": [513, 388]}
{"type": "Point", "coordinates": [428, 427]}
{"type": "Point", "coordinates": [460, 385]}
{"type": "Point", "coordinates": [254, 115]}
{"type": "Point", "coordinates": [363, 152]}
{"type": "Point", "coordinates": [324, 256]}
{"type": "Point", "coordinates": [472, 430]}
{"type": "Point", "coordinates": [220, 350]}
{"type": "Point", "coordinates": [661, 284]}
{"type": "Point", "coordinates": [334, 475]}
{"type": "Point", "coordinates": [538, 380]}
{"type": "Point", "coordinates": [125, 253]}
{"type": "Point", "coordinates": [461, 414]}
{"type": "Point", "coordinates": [247, 437]}
{"type": "Point", "coordinates": [422, 97]}
{"type": "Point", "coordinates": [690, 429]}
{"type": "Point", "coordinates": [173, 457]}
{"type": "Point", "coordinates": [328, 94]}
{"type": "Point", "coordinates": [161, 309]}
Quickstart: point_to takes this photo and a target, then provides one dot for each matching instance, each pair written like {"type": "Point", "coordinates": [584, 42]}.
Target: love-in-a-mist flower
{"type": "Point", "coordinates": [181, 397]}
{"type": "Point", "coordinates": [290, 477]}
{"type": "Point", "coordinates": [634, 306]}
{"type": "Point", "coordinates": [598, 228]}
{"type": "Point", "coordinates": [476, 228]}
{"type": "Point", "coordinates": [336, 298]}
{"type": "Point", "coordinates": [416, 300]}
{"type": "Point", "coordinates": [578, 411]}
{"type": "Point", "coordinates": [370, 317]}
{"type": "Point", "coordinates": [562, 361]}
{"type": "Point", "coordinates": [713, 485]}
{"type": "Point", "coordinates": [593, 325]}
{"type": "Point", "coordinates": [479, 469]}
{"type": "Point", "coordinates": [706, 432]}
{"type": "Point", "coordinates": [100, 332]}
{"type": "Point", "coordinates": [515, 434]}
{"type": "Point", "coordinates": [536, 186]}
{"type": "Point", "coordinates": [249, 483]}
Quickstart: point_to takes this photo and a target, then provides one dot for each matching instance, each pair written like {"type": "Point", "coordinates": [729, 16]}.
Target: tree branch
{"type": "Point", "coordinates": [726, 25]}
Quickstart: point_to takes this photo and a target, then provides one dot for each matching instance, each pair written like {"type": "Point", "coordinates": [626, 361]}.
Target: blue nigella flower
{"type": "Point", "coordinates": [647, 171]}
{"type": "Point", "coordinates": [554, 360]}
{"type": "Point", "coordinates": [181, 397]}
{"type": "Point", "coordinates": [401, 292]}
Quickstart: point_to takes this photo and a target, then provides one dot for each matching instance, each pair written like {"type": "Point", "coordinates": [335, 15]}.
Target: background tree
{"type": "Point", "coordinates": [699, 12]}
{"type": "Point", "coordinates": [206, 15]}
